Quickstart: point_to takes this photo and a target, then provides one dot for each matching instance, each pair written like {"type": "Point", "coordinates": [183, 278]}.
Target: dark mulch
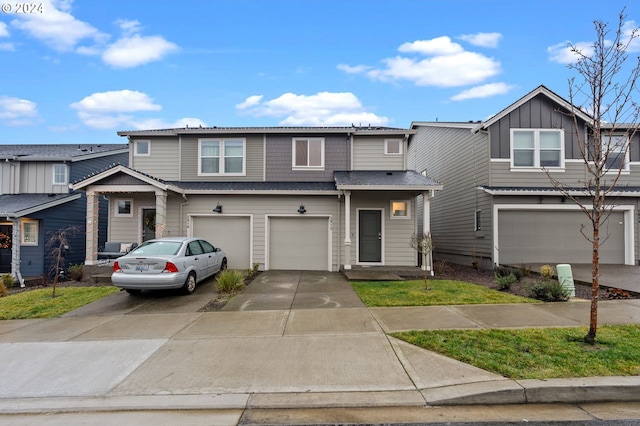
{"type": "Point", "coordinates": [487, 279]}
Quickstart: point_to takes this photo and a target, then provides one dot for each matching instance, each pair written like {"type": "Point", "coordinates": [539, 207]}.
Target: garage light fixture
{"type": "Point", "coordinates": [218, 208]}
{"type": "Point", "coordinates": [302, 210]}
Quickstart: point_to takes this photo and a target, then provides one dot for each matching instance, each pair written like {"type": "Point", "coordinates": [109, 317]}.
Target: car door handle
{"type": "Point", "coordinates": [196, 258]}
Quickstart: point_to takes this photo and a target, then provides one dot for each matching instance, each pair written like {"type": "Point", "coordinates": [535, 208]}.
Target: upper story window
{"type": "Point", "coordinates": [617, 154]}
{"type": "Point", "coordinates": [142, 148]}
{"type": "Point", "coordinates": [537, 148]}
{"type": "Point", "coordinates": [393, 147]}
{"type": "Point", "coordinates": [60, 174]}
{"type": "Point", "coordinates": [221, 157]}
{"type": "Point", "coordinates": [308, 153]}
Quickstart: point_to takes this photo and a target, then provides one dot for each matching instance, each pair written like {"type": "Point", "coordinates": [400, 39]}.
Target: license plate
{"type": "Point", "coordinates": [142, 268]}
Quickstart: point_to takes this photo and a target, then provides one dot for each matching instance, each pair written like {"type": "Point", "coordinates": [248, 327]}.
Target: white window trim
{"type": "Point", "coordinates": [408, 216]}
{"type": "Point", "coordinates": [135, 149]}
{"type": "Point", "coordinates": [221, 157]}
{"type": "Point", "coordinates": [536, 151]}
{"type": "Point", "coordinates": [293, 154]}
{"type": "Point", "coordinates": [66, 174]}
{"type": "Point", "coordinates": [116, 211]}
{"type": "Point", "coordinates": [393, 154]}
{"type": "Point", "coordinates": [22, 233]}
{"type": "Point", "coordinates": [625, 169]}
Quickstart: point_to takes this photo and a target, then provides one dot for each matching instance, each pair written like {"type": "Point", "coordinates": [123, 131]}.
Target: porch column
{"type": "Point", "coordinates": [15, 251]}
{"type": "Point", "coordinates": [427, 259]}
{"type": "Point", "coordinates": [161, 213]}
{"type": "Point", "coordinates": [347, 230]}
{"type": "Point", "coordinates": [91, 248]}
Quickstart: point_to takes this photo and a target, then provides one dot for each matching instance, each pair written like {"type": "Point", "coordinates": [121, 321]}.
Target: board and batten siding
{"type": "Point", "coordinates": [254, 157]}
{"type": "Point", "coordinates": [280, 158]}
{"type": "Point", "coordinates": [368, 154]}
{"type": "Point", "coordinates": [459, 160]}
{"type": "Point", "coordinates": [37, 178]}
{"type": "Point", "coordinates": [539, 113]}
{"type": "Point", "coordinates": [163, 162]}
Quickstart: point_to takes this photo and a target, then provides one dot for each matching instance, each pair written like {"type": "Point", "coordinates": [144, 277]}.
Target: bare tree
{"type": "Point", "coordinates": [423, 244]}
{"type": "Point", "coordinates": [604, 91]}
{"type": "Point", "coordinates": [57, 246]}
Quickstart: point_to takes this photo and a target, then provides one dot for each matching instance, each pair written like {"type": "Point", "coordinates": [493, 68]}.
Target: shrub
{"type": "Point", "coordinates": [8, 281]}
{"type": "Point", "coordinates": [75, 272]}
{"type": "Point", "coordinates": [549, 291]}
{"type": "Point", "coordinates": [617, 293]}
{"type": "Point", "coordinates": [504, 282]}
{"type": "Point", "coordinates": [503, 271]}
{"type": "Point", "coordinates": [440, 267]}
{"type": "Point", "coordinates": [3, 289]}
{"type": "Point", "coordinates": [251, 272]}
{"type": "Point", "coordinates": [229, 281]}
{"type": "Point", "coordinates": [547, 272]}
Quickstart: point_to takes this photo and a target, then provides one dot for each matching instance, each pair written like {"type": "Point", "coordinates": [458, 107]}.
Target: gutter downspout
{"type": "Point", "coordinates": [184, 196]}
{"type": "Point", "coordinates": [15, 251]}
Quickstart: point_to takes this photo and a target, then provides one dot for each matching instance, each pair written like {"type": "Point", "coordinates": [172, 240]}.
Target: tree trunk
{"type": "Point", "coordinates": [590, 337]}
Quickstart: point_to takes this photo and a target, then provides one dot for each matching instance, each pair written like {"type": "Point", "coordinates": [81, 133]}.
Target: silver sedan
{"type": "Point", "coordinates": [166, 263]}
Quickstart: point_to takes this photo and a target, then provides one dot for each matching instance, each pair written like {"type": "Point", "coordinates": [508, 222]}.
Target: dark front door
{"type": "Point", "coordinates": [5, 248]}
{"type": "Point", "coordinates": [148, 224]}
{"type": "Point", "coordinates": [370, 235]}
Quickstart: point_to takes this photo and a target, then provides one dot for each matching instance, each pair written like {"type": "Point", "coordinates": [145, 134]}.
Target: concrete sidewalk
{"type": "Point", "coordinates": [291, 340]}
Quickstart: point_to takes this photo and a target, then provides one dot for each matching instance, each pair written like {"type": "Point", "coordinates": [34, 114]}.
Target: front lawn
{"type": "Point", "coordinates": [441, 292]}
{"type": "Point", "coordinates": [538, 353]}
{"type": "Point", "coordinates": [39, 303]}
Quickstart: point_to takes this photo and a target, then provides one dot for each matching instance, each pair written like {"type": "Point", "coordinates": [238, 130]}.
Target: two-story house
{"type": "Point", "coordinates": [35, 201]}
{"type": "Point", "coordinates": [303, 198]}
{"type": "Point", "coordinates": [500, 207]}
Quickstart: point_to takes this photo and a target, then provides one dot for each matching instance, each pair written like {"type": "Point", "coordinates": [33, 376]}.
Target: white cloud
{"type": "Point", "coordinates": [57, 27]}
{"type": "Point", "coordinates": [251, 101]}
{"type": "Point", "coordinates": [483, 39]}
{"type": "Point", "coordinates": [17, 112]}
{"type": "Point", "coordinates": [134, 50]}
{"type": "Point", "coordinates": [116, 109]}
{"type": "Point", "coordinates": [129, 27]}
{"type": "Point", "coordinates": [563, 54]}
{"type": "Point", "coordinates": [7, 47]}
{"type": "Point", "coordinates": [4, 32]}
{"type": "Point", "coordinates": [437, 46]}
{"type": "Point", "coordinates": [321, 109]}
{"type": "Point", "coordinates": [627, 32]}
{"type": "Point", "coordinates": [484, 91]}
{"type": "Point", "coordinates": [447, 64]}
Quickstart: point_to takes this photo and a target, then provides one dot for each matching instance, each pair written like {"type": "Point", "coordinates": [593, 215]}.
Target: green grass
{"type": "Point", "coordinates": [441, 292]}
{"type": "Point", "coordinates": [40, 304]}
{"type": "Point", "coordinates": [538, 353]}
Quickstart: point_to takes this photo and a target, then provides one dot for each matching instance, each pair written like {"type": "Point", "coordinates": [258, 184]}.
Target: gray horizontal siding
{"type": "Point", "coordinates": [163, 162]}
{"type": "Point", "coordinates": [459, 160]}
{"type": "Point", "coordinates": [368, 154]}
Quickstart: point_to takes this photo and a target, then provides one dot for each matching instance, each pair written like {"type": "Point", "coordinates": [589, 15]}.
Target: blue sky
{"type": "Point", "coordinates": [79, 71]}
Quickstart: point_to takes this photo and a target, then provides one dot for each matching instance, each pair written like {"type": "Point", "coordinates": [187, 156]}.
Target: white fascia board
{"type": "Point", "coordinates": [444, 124]}
{"type": "Point", "coordinates": [388, 188]}
{"type": "Point", "coordinates": [556, 192]}
{"type": "Point", "coordinates": [99, 154]}
{"type": "Point", "coordinates": [256, 192]}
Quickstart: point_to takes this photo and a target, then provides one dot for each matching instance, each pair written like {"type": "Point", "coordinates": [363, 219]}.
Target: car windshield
{"type": "Point", "coordinates": [157, 248]}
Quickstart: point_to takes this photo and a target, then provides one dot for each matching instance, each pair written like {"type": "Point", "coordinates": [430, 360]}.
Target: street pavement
{"type": "Point", "coordinates": [293, 348]}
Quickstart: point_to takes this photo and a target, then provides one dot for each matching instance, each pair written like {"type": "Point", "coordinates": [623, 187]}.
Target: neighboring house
{"type": "Point", "coordinates": [499, 206]}
{"type": "Point", "coordinates": [305, 198]}
{"type": "Point", "coordinates": [35, 201]}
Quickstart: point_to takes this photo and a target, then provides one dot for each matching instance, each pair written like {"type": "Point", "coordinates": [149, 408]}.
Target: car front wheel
{"type": "Point", "coordinates": [223, 265]}
{"type": "Point", "coordinates": [190, 284]}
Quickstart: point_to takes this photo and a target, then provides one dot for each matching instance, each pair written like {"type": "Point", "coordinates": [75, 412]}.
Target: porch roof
{"type": "Point", "coordinates": [623, 191]}
{"type": "Point", "coordinates": [18, 205]}
{"type": "Point", "coordinates": [396, 180]}
{"type": "Point", "coordinates": [252, 187]}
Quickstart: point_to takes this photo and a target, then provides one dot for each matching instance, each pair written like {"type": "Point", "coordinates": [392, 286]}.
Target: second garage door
{"type": "Point", "coordinates": [300, 243]}
{"type": "Point", "coordinates": [554, 237]}
{"type": "Point", "coordinates": [230, 233]}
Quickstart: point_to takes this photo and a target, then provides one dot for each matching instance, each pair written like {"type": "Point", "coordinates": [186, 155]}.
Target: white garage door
{"type": "Point", "coordinates": [300, 243]}
{"type": "Point", "coordinates": [554, 237]}
{"type": "Point", "coordinates": [230, 233]}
